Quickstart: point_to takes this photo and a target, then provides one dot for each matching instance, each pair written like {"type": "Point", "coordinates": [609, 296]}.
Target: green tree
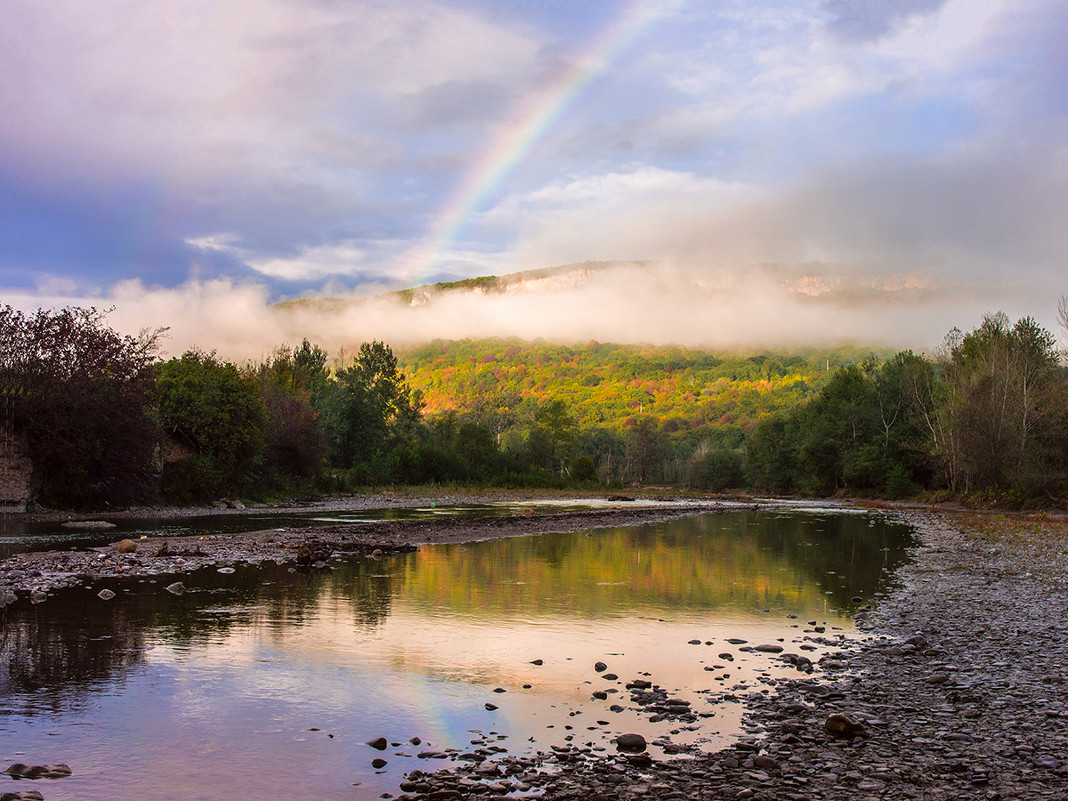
{"type": "Point", "coordinates": [836, 430]}
{"type": "Point", "coordinates": [212, 408]}
{"type": "Point", "coordinates": [367, 408]}
{"type": "Point", "coordinates": [554, 418]}
{"type": "Point", "coordinates": [771, 455]}
{"type": "Point", "coordinates": [646, 444]}
{"type": "Point", "coordinates": [903, 388]}
{"type": "Point", "coordinates": [583, 470]}
{"type": "Point", "coordinates": [715, 469]}
{"type": "Point", "coordinates": [291, 381]}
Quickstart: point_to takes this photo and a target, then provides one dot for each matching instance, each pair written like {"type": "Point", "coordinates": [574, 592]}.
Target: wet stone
{"type": "Point", "coordinates": [630, 742]}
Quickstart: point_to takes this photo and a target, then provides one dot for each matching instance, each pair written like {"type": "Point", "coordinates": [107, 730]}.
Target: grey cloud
{"type": "Point", "coordinates": [989, 215]}
{"type": "Point", "coordinates": [454, 103]}
{"type": "Point", "coordinates": [867, 20]}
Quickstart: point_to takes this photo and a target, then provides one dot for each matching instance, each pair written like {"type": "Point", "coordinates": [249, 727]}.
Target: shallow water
{"type": "Point", "coordinates": [18, 536]}
{"type": "Point", "coordinates": [269, 683]}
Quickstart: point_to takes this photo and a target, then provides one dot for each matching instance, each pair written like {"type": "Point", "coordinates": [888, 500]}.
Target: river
{"type": "Point", "coordinates": [270, 682]}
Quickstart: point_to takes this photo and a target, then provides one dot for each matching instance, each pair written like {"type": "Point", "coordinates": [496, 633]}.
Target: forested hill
{"type": "Point", "coordinates": [716, 395]}
{"type": "Point", "coordinates": [94, 418]}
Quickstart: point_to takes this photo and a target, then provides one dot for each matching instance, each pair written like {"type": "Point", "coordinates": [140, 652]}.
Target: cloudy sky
{"type": "Point", "coordinates": [175, 151]}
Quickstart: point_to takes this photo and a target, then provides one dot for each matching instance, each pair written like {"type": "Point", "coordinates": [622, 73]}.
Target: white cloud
{"type": "Point", "coordinates": [198, 89]}
{"type": "Point", "coordinates": [220, 243]}
{"type": "Point", "coordinates": [767, 65]}
{"type": "Point", "coordinates": [695, 304]}
{"type": "Point", "coordinates": [316, 262]}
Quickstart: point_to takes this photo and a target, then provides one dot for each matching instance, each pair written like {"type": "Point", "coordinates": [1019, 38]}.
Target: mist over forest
{"type": "Point", "coordinates": [763, 306]}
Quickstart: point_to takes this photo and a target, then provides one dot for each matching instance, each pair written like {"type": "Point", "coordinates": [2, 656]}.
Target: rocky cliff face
{"type": "Point", "coordinates": [16, 472]}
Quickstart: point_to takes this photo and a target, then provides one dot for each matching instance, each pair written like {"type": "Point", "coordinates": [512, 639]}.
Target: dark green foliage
{"type": "Point", "coordinates": [539, 449]}
{"type": "Point", "coordinates": [716, 470]}
{"type": "Point", "coordinates": [291, 381]}
{"type": "Point", "coordinates": [772, 455]}
{"type": "Point", "coordinates": [583, 470]}
{"type": "Point", "coordinates": [367, 408]}
{"type": "Point", "coordinates": [211, 408]}
{"type": "Point", "coordinates": [646, 446]}
{"type": "Point", "coordinates": [1001, 410]}
{"type": "Point", "coordinates": [554, 433]}
{"type": "Point", "coordinates": [835, 431]}
{"type": "Point", "coordinates": [989, 417]}
{"type": "Point", "coordinates": [80, 394]}
{"type": "Point", "coordinates": [865, 431]}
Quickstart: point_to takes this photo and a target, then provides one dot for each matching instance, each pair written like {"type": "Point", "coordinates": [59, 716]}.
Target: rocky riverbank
{"type": "Point", "coordinates": [34, 575]}
{"type": "Point", "coordinates": [954, 689]}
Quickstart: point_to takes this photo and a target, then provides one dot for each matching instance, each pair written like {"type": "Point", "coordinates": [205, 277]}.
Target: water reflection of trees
{"type": "Point", "coordinates": [738, 560]}
{"type": "Point", "coordinates": [49, 651]}
{"type": "Point", "coordinates": [60, 651]}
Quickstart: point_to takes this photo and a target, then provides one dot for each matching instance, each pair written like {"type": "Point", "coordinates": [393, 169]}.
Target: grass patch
{"type": "Point", "coordinates": [1038, 527]}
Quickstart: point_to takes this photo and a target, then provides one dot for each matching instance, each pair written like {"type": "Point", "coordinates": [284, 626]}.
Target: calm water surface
{"type": "Point", "coordinates": [268, 683]}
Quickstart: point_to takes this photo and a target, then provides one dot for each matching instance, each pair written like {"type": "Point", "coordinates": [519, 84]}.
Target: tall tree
{"type": "Point", "coordinates": [1002, 405]}
{"type": "Point", "coordinates": [81, 394]}
{"type": "Point", "coordinates": [291, 380]}
{"type": "Point", "coordinates": [367, 407]}
{"type": "Point", "coordinates": [645, 448]}
{"type": "Point", "coordinates": [554, 418]}
{"type": "Point", "coordinates": [772, 454]}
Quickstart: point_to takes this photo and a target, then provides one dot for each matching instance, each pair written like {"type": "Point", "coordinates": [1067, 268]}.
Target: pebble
{"type": "Point", "coordinates": [19, 770]}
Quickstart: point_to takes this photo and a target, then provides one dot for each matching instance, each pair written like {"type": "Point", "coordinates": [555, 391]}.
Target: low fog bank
{"type": "Point", "coordinates": [766, 306]}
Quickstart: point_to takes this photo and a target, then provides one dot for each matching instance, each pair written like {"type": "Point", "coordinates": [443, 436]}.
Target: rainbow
{"type": "Point", "coordinates": [535, 118]}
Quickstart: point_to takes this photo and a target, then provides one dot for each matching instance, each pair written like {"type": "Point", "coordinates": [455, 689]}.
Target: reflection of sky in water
{"type": "Point", "coordinates": [232, 678]}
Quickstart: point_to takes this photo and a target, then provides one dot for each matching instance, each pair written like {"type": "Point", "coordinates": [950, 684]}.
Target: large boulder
{"type": "Point", "coordinates": [630, 742]}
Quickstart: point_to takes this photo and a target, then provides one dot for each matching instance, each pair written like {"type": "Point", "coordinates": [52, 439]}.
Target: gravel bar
{"type": "Point", "coordinates": [36, 574]}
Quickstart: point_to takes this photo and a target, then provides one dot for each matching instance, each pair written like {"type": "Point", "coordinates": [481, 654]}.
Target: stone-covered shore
{"type": "Point", "coordinates": [956, 679]}
{"type": "Point", "coordinates": [33, 575]}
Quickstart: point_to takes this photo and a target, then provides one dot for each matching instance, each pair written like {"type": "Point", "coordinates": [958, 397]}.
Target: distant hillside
{"type": "Point", "coordinates": [560, 277]}
{"type": "Point", "coordinates": [695, 394]}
